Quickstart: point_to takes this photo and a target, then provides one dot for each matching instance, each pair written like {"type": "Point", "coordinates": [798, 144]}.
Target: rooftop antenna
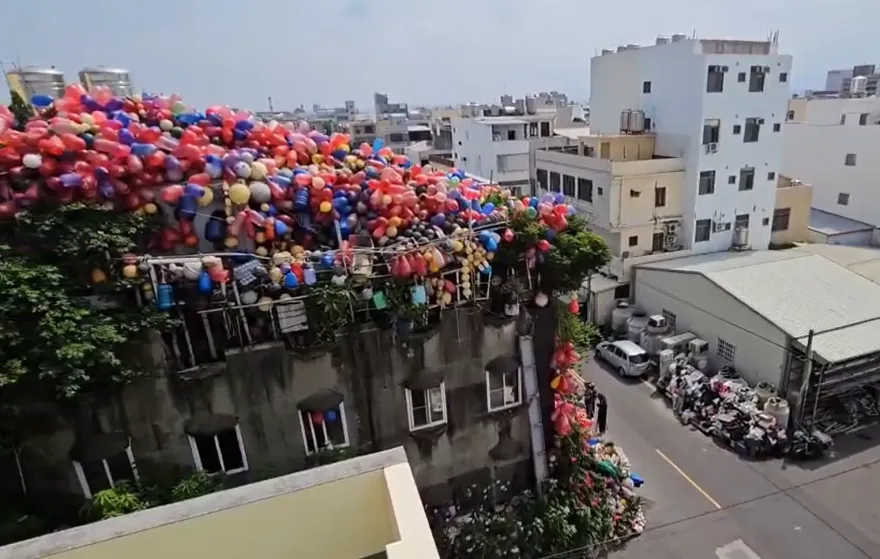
{"type": "Point", "coordinates": [271, 110]}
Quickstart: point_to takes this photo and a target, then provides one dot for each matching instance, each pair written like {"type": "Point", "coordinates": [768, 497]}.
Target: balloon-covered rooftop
{"type": "Point", "coordinates": [226, 183]}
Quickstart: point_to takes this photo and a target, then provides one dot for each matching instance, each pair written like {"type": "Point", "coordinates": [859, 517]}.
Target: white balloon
{"type": "Point", "coordinates": [32, 160]}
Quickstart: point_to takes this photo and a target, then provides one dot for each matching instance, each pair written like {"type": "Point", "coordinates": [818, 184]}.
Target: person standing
{"type": "Point", "coordinates": [602, 414]}
{"type": "Point", "coordinates": [590, 399]}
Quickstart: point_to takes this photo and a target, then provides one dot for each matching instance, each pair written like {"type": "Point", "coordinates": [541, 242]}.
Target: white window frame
{"type": "Point", "coordinates": [84, 482]}
{"type": "Point", "coordinates": [198, 459]}
{"type": "Point", "coordinates": [726, 351]}
{"type": "Point", "coordinates": [311, 432]}
{"type": "Point", "coordinates": [489, 390]}
{"type": "Point", "coordinates": [409, 408]}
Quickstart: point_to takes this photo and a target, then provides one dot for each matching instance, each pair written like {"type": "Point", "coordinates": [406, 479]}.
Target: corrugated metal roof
{"type": "Point", "coordinates": [797, 292]}
{"type": "Point", "coordinates": [833, 224]}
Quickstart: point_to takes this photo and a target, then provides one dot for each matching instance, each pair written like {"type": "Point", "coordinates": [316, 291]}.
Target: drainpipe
{"type": "Point", "coordinates": [536, 423]}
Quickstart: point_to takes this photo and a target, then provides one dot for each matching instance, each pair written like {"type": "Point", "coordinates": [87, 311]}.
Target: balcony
{"type": "Point", "coordinates": [367, 506]}
{"type": "Point", "coordinates": [621, 267]}
{"type": "Point", "coordinates": [571, 158]}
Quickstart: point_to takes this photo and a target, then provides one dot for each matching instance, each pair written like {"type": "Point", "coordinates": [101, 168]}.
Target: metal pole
{"type": "Point", "coordinates": [805, 381]}
{"type": "Point", "coordinates": [818, 389]}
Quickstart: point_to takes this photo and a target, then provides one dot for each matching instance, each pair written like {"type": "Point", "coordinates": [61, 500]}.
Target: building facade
{"type": "Point", "coordinates": [719, 105]}
{"type": "Point", "coordinates": [831, 143]}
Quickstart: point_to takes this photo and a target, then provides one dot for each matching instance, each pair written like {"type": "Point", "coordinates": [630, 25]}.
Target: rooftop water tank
{"type": "Point", "coordinates": [741, 237]}
{"type": "Point", "coordinates": [607, 51]}
{"type": "Point", "coordinates": [632, 46]}
{"type": "Point", "coordinates": [624, 120]}
{"type": "Point", "coordinates": [678, 37]}
{"type": "Point", "coordinates": [621, 48]}
{"type": "Point", "coordinates": [637, 122]}
{"type": "Point", "coordinates": [858, 85]}
{"type": "Point", "coordinates": [531, 105]}
{"type": "Point", "coordinates": [620, 315]}
{"type": "Point", "coordinates": [117, 80]}
{"type": "Point", "coordinates": [662, 40]}
{"type": "Point", "coordinates": [635, 326]}
{"type": "Point", "coordinates": [30, 80]}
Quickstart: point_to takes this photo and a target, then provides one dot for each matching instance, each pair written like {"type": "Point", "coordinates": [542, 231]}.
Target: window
{"type": "Point", "coordinates": [599, 190]}
{"type": "Point", "coordinates": [756, 79]}
{"type": "Point", "coordinates": [753, 130]}
{"type": "Point", "coordinates": [98, 475]}
{"type": "Point", "coordinates": [850, 160]}
{"type": "Point", "coordinates": [533, 129]}
{"type": "Point", "coordinates": [707, 182]}
{"type": "Point", "coordinates": [511, 134]}
{"type": "Point", "coordinates": [863, 119]}
{"type": "Point", "coordinates": [843, 199]}
{"type": "Point", "coordinates": [725, 351]}
{"type": "Point", "coordinates": [541, 175]}
{"type": "Point", "coordinates": [747, 178]}
{"type": "Point", "coordinates": [781, 216]}
{"type": "Point", "coordinates": [741, 221]}
{"type": "Point", "coordinates": [633, 240]}
{"type": "Point", "coordinates": [670, 319]}
{"type": "Point", "coordinates": [545, 129]}
{"type": "Point", "coordinates": [646, 87]}
{"type": "Point", "coordinates": [554, 182]}
{"type": "Point", "coordinates": [221, 452]}
{"type": "Point", "coordinates": [324, 430]}
{"type": "Point", "coordinates": [369, 129]}
{"type": "Point", "coordinates": [741, 77]}
{"type": "Point", "coordinates": [396, 138]}
{"type": "Point", "coordinates": [715, 80]}
{"type": "Point", "coordinates": [777, 127]}
{"type": "Point", "coordinates": [426, 408]}
{"type": "Point", "coordinates": [790, 115]}
{"type": "Point", "coordinates": [503, 390]}
{"type": "Point", "coordinates": [711, 131]}
{"type": "Point", "coordinates": [731, 179]}
{"type": "Point", "coordinates": [783, 77]}
{"type": "Point", "coordinates": [660, 197]}
{"type": "Point", "coordinates": [585, 190]}
{"type": "Point", "coordinates": [647, 123]}
{"type": "Point", "coordinates": [771, 176]}
{"type": "Point", "coordinates": [843, 119]}
{"type": "Point", "coordinates": [765, 222]}
{"type": "Point", "coordinates": [737, 129]}
{"type": "Point", "coordinates": [568, 185]}
{"type": "Point", "coordinates": [702, 230]}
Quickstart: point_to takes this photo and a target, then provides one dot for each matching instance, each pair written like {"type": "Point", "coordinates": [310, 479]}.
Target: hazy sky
{"type": "Point", "coordinates": [421, 52]}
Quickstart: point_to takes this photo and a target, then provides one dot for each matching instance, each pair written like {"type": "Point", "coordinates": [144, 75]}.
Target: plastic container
{"type": "Point", "coordinates": [779, 409]}
{"type": "Point", "coordinates": [764, 391]}
{"type": "Point", "coordinates": [635, 326]}
{"type": "Point", "coordinates": [620, 315]}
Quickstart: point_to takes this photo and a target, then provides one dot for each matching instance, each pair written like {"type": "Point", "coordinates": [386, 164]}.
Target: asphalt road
{"type": "Point", "coordinates": [703, 501]}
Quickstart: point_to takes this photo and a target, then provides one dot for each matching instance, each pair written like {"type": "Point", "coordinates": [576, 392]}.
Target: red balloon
{"type": "Point", "coordinates": [171, 194]}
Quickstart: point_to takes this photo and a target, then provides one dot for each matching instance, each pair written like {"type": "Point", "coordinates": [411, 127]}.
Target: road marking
{"type": "Point", "coordinates": [736, 550]}
{"type": "Point", "coordinates": [689, 480]}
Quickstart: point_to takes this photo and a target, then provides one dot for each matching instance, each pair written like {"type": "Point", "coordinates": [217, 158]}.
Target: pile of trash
{"type": "Point", "coordinates": [751, 421]}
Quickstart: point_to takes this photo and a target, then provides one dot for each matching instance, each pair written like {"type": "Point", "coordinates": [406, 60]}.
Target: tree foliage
{"type": "Point", "coordinates": [20, 109]}
{"type": "Point", "coordinates": [577, 252]}
{"type": "Point", "coordinates": [53, 342]}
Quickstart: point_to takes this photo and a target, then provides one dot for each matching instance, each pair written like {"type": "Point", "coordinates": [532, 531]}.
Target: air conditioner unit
{"type": "Point", "coordinates": [725, 69]}
{"type": "Point", "coordinates": [766, 69]}
{"type": "Point", "coordinates": [760, 121]}
{"type": "Point", "coordinates": [624, 254]}
{"type": "Point", "coordinates": [671, 228]}
{"type": "Point", "coordinates": [720, 226]}
{"type": "Point", "coordinates": [712, 147]}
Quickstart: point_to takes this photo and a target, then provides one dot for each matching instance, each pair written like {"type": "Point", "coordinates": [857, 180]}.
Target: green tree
{"type": "Point", "coordinates": [20, 109]}
{"type": "Point", "coordinates": [577, 252]}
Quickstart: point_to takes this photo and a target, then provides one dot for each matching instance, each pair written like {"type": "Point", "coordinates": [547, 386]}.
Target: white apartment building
{"type": "Point", "coordinates": [832, 143]}
{"type": "Point", "coordinates": [720, 106]}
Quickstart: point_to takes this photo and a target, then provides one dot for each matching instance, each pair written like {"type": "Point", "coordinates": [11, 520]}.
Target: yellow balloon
{"type": "Point", "coordinates": [98, 276]}
{"type": "Point", "coordinates": [206, 198]}
{"type": "Point", "coordinates": [326, 206]}
{"type": "Point", "coordinates": [231, 242]}
{"type": "Point", "coordinates": [239, 193]}
{"type": "Point", "coordinates": [130, 271]}
{"type": "Point", "coordinates": [258, 170]}
{"type": "Point", "coordinates": [150, 208]}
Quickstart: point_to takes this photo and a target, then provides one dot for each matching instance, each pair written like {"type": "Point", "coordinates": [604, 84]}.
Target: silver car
{"type": "Point", "coordinates": [625, 357]}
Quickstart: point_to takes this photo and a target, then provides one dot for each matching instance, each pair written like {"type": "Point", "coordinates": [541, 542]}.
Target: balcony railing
{"type": "Point", "coordinates": [621, 267]}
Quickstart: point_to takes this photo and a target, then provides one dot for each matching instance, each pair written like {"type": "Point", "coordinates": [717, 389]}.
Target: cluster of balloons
{"type": "Point", "coordinates": [266, 186]}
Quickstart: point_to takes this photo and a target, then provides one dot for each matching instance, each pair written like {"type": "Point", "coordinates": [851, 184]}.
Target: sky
{"type": "Point", "coordinates": [424, 53]}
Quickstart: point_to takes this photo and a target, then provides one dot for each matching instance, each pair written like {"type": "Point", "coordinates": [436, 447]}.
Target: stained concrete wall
{"type": "Point", "coordinates": [262, 387]}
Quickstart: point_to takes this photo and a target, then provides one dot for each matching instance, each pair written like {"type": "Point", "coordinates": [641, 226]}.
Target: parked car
{"type": "Point", "coordinates": [625, 357]}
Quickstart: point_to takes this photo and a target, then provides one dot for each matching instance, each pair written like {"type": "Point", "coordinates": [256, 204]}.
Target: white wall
{"type": "Point", "coordinates": [477, 153]}
{"type": "Point", "coordinates": [815, 153]}
{"type": "Point", "coordinates": [678, 104]}
{"type": "Point", "coordinates": [697, 304]}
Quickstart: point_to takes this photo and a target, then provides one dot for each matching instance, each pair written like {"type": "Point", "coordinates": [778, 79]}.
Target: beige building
{"type": "Point", "coordinates": [366, 507]}
{"type": "Point", "coordinates": [631, 197]}
{"type": "Point", "coordinates": [791, 217]}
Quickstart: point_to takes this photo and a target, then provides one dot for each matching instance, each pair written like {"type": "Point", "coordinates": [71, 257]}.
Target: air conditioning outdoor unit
{"type": "Point", "coordinates": [712, 147]}
{"type": "Point", "coordinates": [761, 121]}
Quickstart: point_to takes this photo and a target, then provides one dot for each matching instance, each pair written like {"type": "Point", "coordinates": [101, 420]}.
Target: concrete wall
{"type": "Point", "coordinates": [696, 302]}
{"type": "Point", "coordinates": [261, 389]}
{"type": "Point", "coordinates": [797, 199]}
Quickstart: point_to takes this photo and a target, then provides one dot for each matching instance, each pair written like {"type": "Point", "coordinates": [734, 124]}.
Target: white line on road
{"type": "Point", "coordinates": [689, 480]}
{"type": "Point", "coordinates": [736, 550]}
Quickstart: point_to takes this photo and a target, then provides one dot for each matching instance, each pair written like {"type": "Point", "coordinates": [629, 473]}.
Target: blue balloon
{"type": "Point", "coordinates": [281, 180]}
{"type": "Point", "coordinates": [487, 270]}
{"type": "Point", "coordinates": [488, 208]}
{"type": "Point", "coordinates": [331, 415]}
{"type": "Point", "coordinates": [550, 234]}
{"type": "Point", "coordinates": [239, 134]}
{"type": "Point", "coordinates": [438, 219]}
{"type": "Point", "coordinates": [559, 198]}
{"type": "Point", "coordinates": [571, 211]}
{"type": "Point", "coordinates": [205, 283]}
{"type": "Point", "coordinates": [123, 118]}
{"type": "Point", "coordinates": [244, 125]}
{"type": "Point", "coordinates": [126, 137]}
{"type": "Point", "coordinates": [290, 281]}
{"type": "Point", "coordinates": [327, 260]}
{"type": "Point", "coordinates": [339, 154]}
{"type": "Point", "coordinates": [143, 150]}
{"type": "Point", "coordinates": [187, 207]}
{"type": "Point", "coordinates": [114, 104]}
{"type": "Point", "coordinates": [281, 228]}
{"type": "Point", "coordinates": [193, 190]}
{"type": "Point", "coordinates": [41, 101]}
{"type": "Point", "coordinates": [188, 119]}
{"type": "Point", "coordinates": [533, 202]}
{"type": "Point", "coordinates": [378, 144]}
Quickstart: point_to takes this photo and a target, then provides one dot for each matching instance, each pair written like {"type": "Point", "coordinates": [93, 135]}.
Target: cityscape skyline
{"type": "Point", "coordinates": [475, 57]}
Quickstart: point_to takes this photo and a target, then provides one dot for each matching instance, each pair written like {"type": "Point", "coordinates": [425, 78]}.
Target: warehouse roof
{"type": "Point", "coordinates": [797, 291]}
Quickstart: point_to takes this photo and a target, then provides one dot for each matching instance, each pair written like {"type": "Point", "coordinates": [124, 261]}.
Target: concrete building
{"type": "Point", "coordinates": [366, 507]}
{"type": "Point", "coordinates": [834, 79]}
{"type": "Point", "coordinates": [393, 128]}
{"type": "Point", "coordinates": [831, 143]}
{"type": "Point", "coordinates": [383, 107]}
{"type": "Point", "coordinates": [493, 147]}
{"type": "Point", "coordinates": [632, 198]}
{"type": "Point", "coordinates": [757, 310]}
{"type": "Point", "coordinates": [791, 216]}
{"type": "Point", "coordinates": [717, 104]}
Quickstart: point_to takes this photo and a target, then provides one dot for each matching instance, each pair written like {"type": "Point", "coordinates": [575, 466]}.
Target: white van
{"type": "Point", "coordinates": [626, 357]}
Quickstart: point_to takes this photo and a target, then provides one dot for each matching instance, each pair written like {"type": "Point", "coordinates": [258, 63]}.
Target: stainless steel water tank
{"type": "Point", "coordinates": [30, 80]}
{"type": "Point", "coordinates": [117, 80]}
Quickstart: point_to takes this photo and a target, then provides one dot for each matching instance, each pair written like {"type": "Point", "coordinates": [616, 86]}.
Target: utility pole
{"type": "Point", "coordinates": [805, 381]}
